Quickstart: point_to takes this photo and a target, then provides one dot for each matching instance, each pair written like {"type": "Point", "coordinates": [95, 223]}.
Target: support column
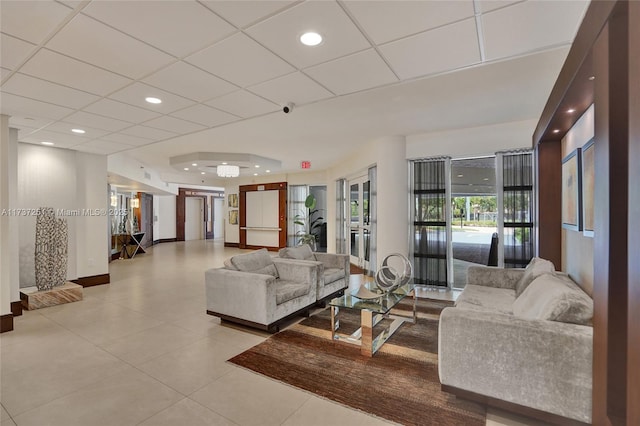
{"type": "Point", "coordinates": [9, 270]}
{"type": "Point", "coordinates": [393, 187]}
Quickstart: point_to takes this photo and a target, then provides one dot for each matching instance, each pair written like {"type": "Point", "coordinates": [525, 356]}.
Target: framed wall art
{"type": "Point", "coordinates": [588, 186]}
{"type": "Point", "coordinates": [572, 191]}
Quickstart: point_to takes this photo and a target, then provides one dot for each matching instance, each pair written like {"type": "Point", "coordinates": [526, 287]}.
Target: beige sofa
{"type": "Point", "coordinates": [520, 339]}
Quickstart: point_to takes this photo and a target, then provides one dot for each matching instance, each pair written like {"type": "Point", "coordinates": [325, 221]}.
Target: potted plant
{"type": "Point", "coordinates": [311, 222]}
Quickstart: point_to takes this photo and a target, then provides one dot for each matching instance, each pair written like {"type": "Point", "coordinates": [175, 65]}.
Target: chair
{"type": "Point", "coordinates": [257, 290]}
{"type": "Point", "coordinates": [333, 269]}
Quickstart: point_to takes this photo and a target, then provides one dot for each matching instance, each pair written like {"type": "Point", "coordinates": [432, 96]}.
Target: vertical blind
{"type": "Point", "coordinates": [517, 172]}
{"type": "Point", "coordinates": [429, 222]}
{"type": "Point", "coordinates": [341, 216]}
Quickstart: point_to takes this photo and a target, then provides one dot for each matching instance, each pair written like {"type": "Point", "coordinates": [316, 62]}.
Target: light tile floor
{"type": "Point", "coordinates": [142, 351]}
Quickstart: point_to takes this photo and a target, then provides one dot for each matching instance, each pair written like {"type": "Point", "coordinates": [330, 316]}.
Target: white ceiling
{"type": "Point", "coordinates": [225, 68]}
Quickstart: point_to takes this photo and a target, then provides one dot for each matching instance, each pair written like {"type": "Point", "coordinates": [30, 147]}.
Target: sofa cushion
{"type": "Point", "coordinates": [229, 265]}
{"type": "Point", "coordinates": [332, 275]}
{"type": "Point", "coordinates": [302, 252]}
{"type": "Point", "coordinates": [534, 269]}
{"type": "Point", "coordinates": [485, 298]}
{"type": "Point", "coordinates": [258, 262]}
{"type": "Point", "coordinates": [554, 297]}
{"type": "Point", "coordinates": [289, 290]}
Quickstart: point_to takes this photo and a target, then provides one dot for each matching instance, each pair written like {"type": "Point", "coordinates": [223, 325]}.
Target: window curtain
{"type": "Point", "coordinates": [297, 196]}
{"type": "Point", "coordinates": [341, 216]}
{"type": "Point", "coordinates": [373, 219]}
{"type": "Point", "coordinates": [429, 202]}
{"type": "Point", "coordinates": [517, 200]}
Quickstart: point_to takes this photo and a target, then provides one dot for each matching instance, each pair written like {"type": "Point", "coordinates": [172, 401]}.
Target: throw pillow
{"type": "Point", "coordinates": [258, 262]}
{"type": "Point", "coordinates": [554, 297]}
{"type": "Point", "coordinates": [302, 252]}
{"type": "Point", "coordinates": [534, 269]}
{"type": "Point", "coordinates": [229, 265]}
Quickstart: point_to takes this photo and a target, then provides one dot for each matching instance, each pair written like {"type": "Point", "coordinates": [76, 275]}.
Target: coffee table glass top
{"type": "Point", "coordinates": [380, 305]}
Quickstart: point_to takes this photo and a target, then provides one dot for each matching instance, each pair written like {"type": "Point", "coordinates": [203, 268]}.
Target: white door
{"type": "Point", "coordinates": [218, 217]}
{"type": "Point", "coordinates": [359, 221]}
{"type": "Point", "coordinates": [194, 219]}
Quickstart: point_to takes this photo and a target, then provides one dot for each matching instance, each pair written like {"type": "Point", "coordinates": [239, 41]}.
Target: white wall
{"type": "Point", "coordinates": [164, 209]}
{"type": "Point", "coordinates": [125, 166]}
{"type": "Point", "coordinates": [68, 180]}
{"type": "Point", "coordinates": [475, 141]}
{"type": "Point", "coordinates": [577, 250]}
{"type": "Point", "coordinates": [231, 232]}
{"type": "Point", "coordinates": [9, 266]}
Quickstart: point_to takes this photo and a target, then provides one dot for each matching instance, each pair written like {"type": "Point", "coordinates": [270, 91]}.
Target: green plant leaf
{"type": "Point", "coordinates": [310, 202]}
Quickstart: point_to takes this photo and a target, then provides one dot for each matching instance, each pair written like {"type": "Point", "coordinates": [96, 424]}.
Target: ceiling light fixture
{"type": "Point", "coordinates": [194, 164]}
{"type": "Point", "coordinates": [224, 163]}
{"type": "Point", "coordinates": [225, 170]}
{"type": "Point", "coordinates": [255, 174]}
{"type": "Point", "coordinates": [186, 168]}
{"type": "Point", "coordinates": [591, 78]}
{"type": "Point", "coordinates": [556, 131]}
{"type": "Point", "coordinates": [460, 175]}
{"type": "Point", "coordinates": [153, 100]}
{"type": "Point", "coordinates": [79, 131]}
{"type": "Point", "coordinates": [257, 166]}
{"type": "Point", "coordinates": [311, 39]}
{"type": "Point", "coordinates": [47, 143]}
{"type": "Point", "coordinates": [203, 173]}
{"type": "Point", "coordinates": [268, 171]}
{"type": "Point", "coordinates": [571, 110]}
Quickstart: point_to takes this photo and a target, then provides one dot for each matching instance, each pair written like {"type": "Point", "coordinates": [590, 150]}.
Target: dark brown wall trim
{"type": "Point", "coordinates": [6, 323]}
{"type": "Point", "coordinates": [231, 245]}
{"type": "Point", "coordinates": [165, 240]}
{"type": "Point", "coordinates": [16, 308]}
{"type": "Point", "coordinates": [93, 280]}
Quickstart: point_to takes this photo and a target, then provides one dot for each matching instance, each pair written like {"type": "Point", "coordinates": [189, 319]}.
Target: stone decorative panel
{"type": "Point", "coordinates": [51, 249]}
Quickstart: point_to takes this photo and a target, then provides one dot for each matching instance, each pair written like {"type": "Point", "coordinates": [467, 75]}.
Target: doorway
{"type": "Point", "coordinates": [359, 222]}
{"type": "Point", "coordinates": [218, 217]}
{"type": "Point", "coordinates": [194, 219]}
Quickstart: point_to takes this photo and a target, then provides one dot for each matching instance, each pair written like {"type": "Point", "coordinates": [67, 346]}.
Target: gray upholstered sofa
{"type": "Point", "coordinates": [260, 291]}
{"type": "Point", "coordinates": [333, 269]}
{"type": "Point", "coordinates": [520, 339]}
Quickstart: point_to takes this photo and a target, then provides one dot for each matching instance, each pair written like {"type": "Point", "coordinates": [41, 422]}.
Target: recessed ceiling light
{"type": "Point", "coordinates": [311, 39]}
{"type": "Point", "coordinates": [255, 174]}
{"type": "Point", "coordinates": [203, 173]}
{"type": "Point", "coordinates": [224, 162]}
{"type": "Point", "coordinates": [485, 179]}
{"type": "Point", "coordinates": [556, 130]}
{"type": "Point", "coordinates": [194, 164]}
{"type": "Point", "coordinates": [460, 175]}
{"type": "Point", "coordinates": [153, 100]}
{"type": "Point", "coordinates": [79, 131]}
{"type": "Point", "coordinates": [47, 143]}
{"type": "Point", "coordinates": [593, 77]}
{"type": "Point", "coordinates": [186, 168]}
{"type": "Point", "coordinates": [257, 166]}
{"type": "Point", "coordinates": [571, 110]}
{"type": "Point", "coordinates": [268, 171]}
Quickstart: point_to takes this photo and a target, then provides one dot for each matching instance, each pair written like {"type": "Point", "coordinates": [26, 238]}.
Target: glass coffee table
{"type": "Point", "coordinates": [372, 311]}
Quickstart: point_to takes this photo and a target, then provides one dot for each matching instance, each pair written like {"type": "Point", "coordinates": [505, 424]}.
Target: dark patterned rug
{"type": "Point", "coordinates": [400, 383]}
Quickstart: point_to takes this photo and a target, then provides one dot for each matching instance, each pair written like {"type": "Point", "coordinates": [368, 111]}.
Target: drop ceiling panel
{"type": "Point", "coordinates": [243, 13]}
{"type": "Point", "coordinates": [32, 20]}
{"type": "Point", "coordinates": [137, 92]}
{"type": "Point", "coordinates": [25, 107]}
{"type": "Point", "coordinates": [529, 26]}
{"type": "Point", "coordinates": [177, 27]}
{"type": "Point", "coordinates": [121, 111]}
{"type": "Point", "coordinates": [282, 33]}
{"type": "Point", "coordinates": [443, 49]}
{"type": "Point", "coordinates": [243, 104]}
{"type": "Point", "coordinates": [385, 21]}
{"type": "Point", "coordinates": [191, 82]}
{"type": "Point", "coordinates": [41, 90]}
{"type": "Point", "coordinates": [295, 87]}
{"type": "Point", "coordinates": [13, 51]}
{"type": "Point", "coordinates": [172, 124]}
{"type": "Point", "coordinates": [485, 6]}
{"type": "Point", "coordinates": [241, 61]}
{"type": "Point", "coordinates": [61, 140]}
{"type": "Point", "coordinates": [27, 121]}
{"type": "Point", "coordinates": [65, 127]}
{"type": "Point", "coordinates": [205, 115]}
{"type": "Point", "coordinates": [361, 71]}
{"type": "Point", "coordinates": [101, 147]}
{"type": "Point", "coordinates": [69, 72]}
{"type": "Point", "coordinates": [126, 139]}
{"type": "Point", "coordinates": [4, 72]}
{"type": "Point", "coordinates": [91, 41]}
{"type": "Point", "coordinates": [148, 133]}
{"type": "Point", "coordinates": [82, 118]}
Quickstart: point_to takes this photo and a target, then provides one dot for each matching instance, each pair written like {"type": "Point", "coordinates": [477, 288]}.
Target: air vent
{"type": "Point", "coordinates": [147, 175]}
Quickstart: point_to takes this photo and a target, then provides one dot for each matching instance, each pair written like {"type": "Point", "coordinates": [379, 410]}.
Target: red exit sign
{"type": "Point", "coordinates": [305, 164]}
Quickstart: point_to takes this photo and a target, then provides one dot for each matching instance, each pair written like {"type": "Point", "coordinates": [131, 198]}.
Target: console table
{"type": "Point", "coordinates": [131, 244]}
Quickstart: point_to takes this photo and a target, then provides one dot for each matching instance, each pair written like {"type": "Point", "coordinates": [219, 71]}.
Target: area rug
{"type": "Point", "coordinates": [399, 383]}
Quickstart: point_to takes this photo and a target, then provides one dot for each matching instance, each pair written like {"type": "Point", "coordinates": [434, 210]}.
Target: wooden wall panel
{"type": "Point", "coordinates": [281, 187]}
{"type": "Point", "coordinates": [550, 202]}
